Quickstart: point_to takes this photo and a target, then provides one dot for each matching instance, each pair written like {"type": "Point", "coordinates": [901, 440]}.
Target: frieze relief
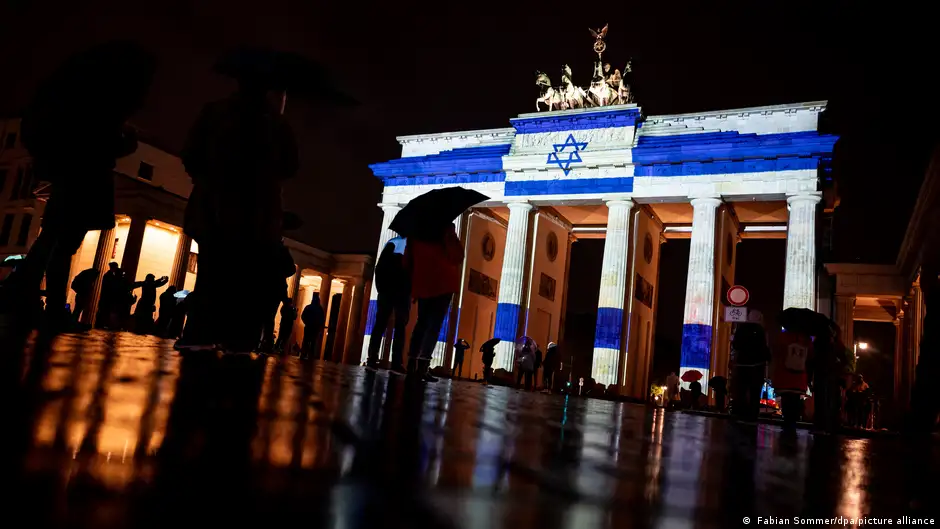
{"type": "Point", "coordinates": [597, 139]}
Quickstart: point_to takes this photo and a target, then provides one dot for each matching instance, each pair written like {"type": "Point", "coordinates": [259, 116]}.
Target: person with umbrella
{"type": "Point", "coordinates": [239, 152]}
{"type": "Point", "coordinates": [749, 357]}
{"type": "Point", "coordinates": [75, 129]}
{"type": "Point", "coordinates": [695, 387]}
{"type": "Point", "coordinates": [83, 285]}
{"type": "Point", "coordinates": [394, 287]}
{"type": "Point", "coordinates": [434, 260]}
{"type": "Point", "coordinates": [489, 354]}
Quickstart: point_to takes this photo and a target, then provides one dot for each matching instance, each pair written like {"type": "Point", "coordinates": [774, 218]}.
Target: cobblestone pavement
{"type": "Point", "coordinates": [118, 430]}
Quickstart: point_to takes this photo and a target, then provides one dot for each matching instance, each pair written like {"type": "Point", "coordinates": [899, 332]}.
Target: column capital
{"type": "Point", "coordinates": [519, 205]}
{"type": "Point", "coordinates": [705, 201]}
{"type": "Point", "coordinates": [619, 201]}
{"type": "Point", "coordinates": [810, 196]}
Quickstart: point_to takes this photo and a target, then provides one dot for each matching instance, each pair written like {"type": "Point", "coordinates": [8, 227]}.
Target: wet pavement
{"type": "Point", "coordinates": [118, 430]}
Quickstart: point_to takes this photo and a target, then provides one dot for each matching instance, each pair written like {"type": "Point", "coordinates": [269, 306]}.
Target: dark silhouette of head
{"type": "Point", "coordinates": [172, 289]}
{"type": "Point", "coordinates": [150, 278]}
{"type": "Point", "coordinates": [113, 267]}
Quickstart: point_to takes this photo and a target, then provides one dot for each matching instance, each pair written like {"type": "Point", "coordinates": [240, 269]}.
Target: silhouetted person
{"type": "Point", "coordinates": [719, 385]}
{"type": "Point", "coordinates": [84, 287]}
{"type": "Point", "coordinates": [274, 297]}
{"type": "Point", "coordinates": [549, 366]}
{"type": "Point", "coordinates": [525, 364]}
{"type": "Point", "coordinates": [488, 350]}
{"type": "Point", "coordinates": [146, 306]}
{"type": "Point", "coordinates": [435, 268]}
{"type": "Point", "coordinates": [394, 287]}
{"type": "Point", "coordinates": [238, 154]}
{"type": "Point", "coordinates": [791, 359]}
{"type": "Point", "coordinates": [750, 355]}
{"type": "Point", "coordinates": [112, 294]}
{"type": "Point", "coordinates": [178, 318]}
{"type": "Point", "coordinates": [695, 394]}
{"type": "Point", "coordinates": [168, 303]}
{"type": "Point", "coordinates": [313, 319]}
{"type": "Point", "coordinates": [286, 327]}
{"type": "Point", "coordinates": [460, 347]}
{"type": "Point", "coordinates": [74, 129]}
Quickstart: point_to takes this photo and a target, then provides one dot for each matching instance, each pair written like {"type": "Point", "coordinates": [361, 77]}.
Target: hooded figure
{"type": "Point", "coordinates": [394, 288]}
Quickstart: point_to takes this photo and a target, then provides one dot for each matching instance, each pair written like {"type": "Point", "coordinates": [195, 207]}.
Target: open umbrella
{"type": "Point", "coordinates": [692, 375]}
{"type": "Point", "coordinates": [426, 216]}
{"type": "Point", "coordinates": [489, 344]}
{"type": "Point", "coordinates": [181, 294]}
{"type": "Point", "coordinates": [805, 321]}
{"type": "Point", "coordinates": [279, 70]}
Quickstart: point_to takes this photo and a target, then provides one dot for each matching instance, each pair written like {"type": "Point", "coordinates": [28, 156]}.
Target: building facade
{"type": "Point", "coordinates": [610, 172]}
{"type": "Point", "coordinates": [151, 192]}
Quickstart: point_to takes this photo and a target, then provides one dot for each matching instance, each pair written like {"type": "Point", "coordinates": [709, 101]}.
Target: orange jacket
{"type": "Point", "coordinates": [435, 267]}
{"type": "Point", "coordinates": [791, 358]}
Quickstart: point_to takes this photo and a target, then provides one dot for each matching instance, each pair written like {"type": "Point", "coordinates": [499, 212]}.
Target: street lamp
{"type": "Point", "coordinates": [860, 345]}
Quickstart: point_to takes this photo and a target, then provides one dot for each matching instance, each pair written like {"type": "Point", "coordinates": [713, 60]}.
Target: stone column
{"type": "Point", "coordinates": [352, 327]}
{"type": "Point", "coordinates": [900, 391]}
{"type": "Point", "coordinates": [697, 324]}
{"type": "Point", "coordinates": [509, 309]}
{"type": "Point", "coordinates": [339, 341]}
{"type": "Point", "coordinates": [845, 318]}
{"type": "Point", "coordinates": [384, 236]}
{"type": "Point", "coordinates": [181, 261]}
{"type": "Point", "coordinates": [293, 288]}
{"type": "Point", "coordinates": [102, 259]}
{"type": "Point", "coordinates": [562, 320]}
{"type": "Point", "coordinates": [442, 351]}
{"type": "Point", "coordinates": [326, 284]}
{"type": "Point", "coordinates": [610, 304]}
{"type": "Point", "coordinates": [799, 287]}
{"type": "Point", "coordinates": [135, 241]}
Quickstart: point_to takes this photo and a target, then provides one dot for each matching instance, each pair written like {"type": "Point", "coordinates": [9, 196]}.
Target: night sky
{"type": "Point", "coordinates": [422, 68]}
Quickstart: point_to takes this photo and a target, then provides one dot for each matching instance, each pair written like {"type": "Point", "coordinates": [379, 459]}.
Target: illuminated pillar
{"type": "Point", "coordinates": [135, 242]}
{"type": "Point", "coordinates": [509, 309]}
{"type": "Point", "coordinates": [181, 261]}
{"type": "Point", "coordinates": [700, 290]}
{"type": "Point", "coordinates": [293, 289]}
{"type": "Point", "coordinates": [444, 342]}
{"type": "Point", "coordinates": [613, 288]}
{"type": "Point", "coordinates": [799, 287]}
{"type": "Point", "coordinates": [384, 236]}
{"type": "Point", "coordinates": [326, 284]}
{"type": "Point", "coordinates": [102, 259]}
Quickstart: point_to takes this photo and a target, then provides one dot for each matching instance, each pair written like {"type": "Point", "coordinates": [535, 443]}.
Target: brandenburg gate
{"type": "Point", "coordinates": [590, 164]}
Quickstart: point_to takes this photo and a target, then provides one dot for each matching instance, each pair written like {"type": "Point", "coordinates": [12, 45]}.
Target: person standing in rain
{"type": "Point", "coordinates": [488, 350]}
{"type": "Point", "coordinates": [526, 363]}
{"type": "Point", "coordinates": [286, 327]}
{"type": "Point", "coordinates": [75, 129]}
{"type": "Point", "coordinates": [549, 366]}
{"type": "Point", "coordinates": [168, 303]}
{"type": "Point", "coordinates": [749, 355]}
{"type": "Point", "coordinates": [394, 287]}
{"type": "Point", "coordinates": [435, 270]}
{"type": "Point", "coordinates": [83, 285]}
{"type": "Point", "coordinates": [460, 347]}
{"type": "Point", "coordinates": [112, 291]}
{"type": "Point", "coordinates": [313, 319]}
{"type": "Point", "coordinates": [239, 152]}
{"type": "Point", "coordinates": [146, 306]}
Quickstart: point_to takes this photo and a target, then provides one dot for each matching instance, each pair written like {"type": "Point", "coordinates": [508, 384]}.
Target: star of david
{"type": "Point", "coordinates": [573, 156]}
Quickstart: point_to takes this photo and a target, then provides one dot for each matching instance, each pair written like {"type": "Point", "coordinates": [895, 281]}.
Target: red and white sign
{"type": "Point", "coordinates": [738, 296]}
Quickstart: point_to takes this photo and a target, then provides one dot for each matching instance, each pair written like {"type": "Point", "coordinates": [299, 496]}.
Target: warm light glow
{"type": "Point", "coordinates": [863, 345]}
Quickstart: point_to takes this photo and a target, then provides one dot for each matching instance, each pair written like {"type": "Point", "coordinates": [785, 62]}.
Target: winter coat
{"type": "Point", "coordinates": [435, 267]}
{"type": "Point", "coordinates": [792, 356]}
{"type": "Point", "coordinates": [391, 277]}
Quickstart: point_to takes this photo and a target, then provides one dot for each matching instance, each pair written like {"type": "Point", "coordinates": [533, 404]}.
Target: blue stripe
{"type": "Point", "coordinates": [570, 186]}
{"type": "Point", "coordinates": [370, 316]}
{"type": "Point", "coordinates": [609, 328]}
{"type": "Point", "coordinates": [442, 335]}
{"type": "Point", "coordinates": [589, 120]}
{"type": "Point", "coordinates": [507, 322]}
{"type": "Point", "coordinates": [461, 178]}
{"type": "Point", "coordinates": [696, 346]}
{"type": "Point", "coordinates": [730, 146]}
{"type": "Point", "coordinates": [485, 159]}
{"type": "Point", "coordinates": [758, 165]}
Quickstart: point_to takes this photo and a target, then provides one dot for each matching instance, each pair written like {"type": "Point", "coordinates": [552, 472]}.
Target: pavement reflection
{"type": "Point", "coordinates": [118, 430]}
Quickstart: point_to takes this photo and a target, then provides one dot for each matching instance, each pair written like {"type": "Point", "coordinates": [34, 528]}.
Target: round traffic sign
{"type": "Point", "coordinates": [738, 296]}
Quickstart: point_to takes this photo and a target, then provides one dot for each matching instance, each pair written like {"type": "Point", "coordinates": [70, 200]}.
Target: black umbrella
{"type": "Point", "coordinates": [279, 70]}
{"type": "Point", "coordinates": [805, 321]}
{"type": "Point", "coordinates": [426, 216]}
{"type": "Point", "coordinates": [489, 344]}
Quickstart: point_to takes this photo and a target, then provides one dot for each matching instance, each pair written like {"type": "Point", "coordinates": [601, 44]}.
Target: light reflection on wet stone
{"type": "Point", "coordinates": [132, 431]}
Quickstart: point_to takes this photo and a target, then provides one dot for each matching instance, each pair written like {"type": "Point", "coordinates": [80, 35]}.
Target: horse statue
{"type": "Point", "coordinates": [602, 92]}
{"type": "Point", "coordinates": [550, 97]}
{"type": "Point", "coordinates": [574, 96]}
